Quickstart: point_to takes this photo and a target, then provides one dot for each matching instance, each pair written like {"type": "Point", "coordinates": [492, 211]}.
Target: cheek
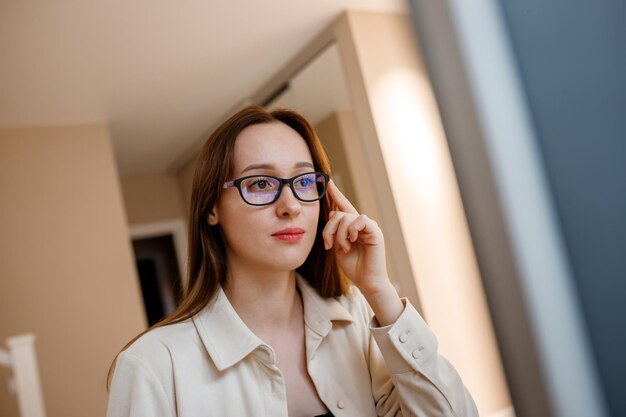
{"type": "Point", "coordinates": [237, 222]}
{"type": "Point", "coordinates": [315, 220]}
{"type": "Point", "coordinates": [243, 226]}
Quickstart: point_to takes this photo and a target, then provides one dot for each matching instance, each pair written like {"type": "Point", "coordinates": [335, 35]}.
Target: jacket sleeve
{"type": "Point", "coordinates": [409, 377]}
{"type": "Point", "coordinates": [136, 391]}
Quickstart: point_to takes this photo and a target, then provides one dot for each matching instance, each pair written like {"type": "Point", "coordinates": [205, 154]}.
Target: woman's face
{"type": "Point", "coordinates": [250, 231]}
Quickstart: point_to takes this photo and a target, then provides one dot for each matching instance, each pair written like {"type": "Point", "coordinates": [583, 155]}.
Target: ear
{"type": "Point", "coordinates": [213, 218]}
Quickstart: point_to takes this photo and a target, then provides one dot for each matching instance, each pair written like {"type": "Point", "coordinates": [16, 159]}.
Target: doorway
{"type": "Point", "coordinates": [159, 275]}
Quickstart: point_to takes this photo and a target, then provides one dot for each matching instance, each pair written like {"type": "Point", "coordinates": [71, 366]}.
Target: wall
{"type": "Point", "coordinates": [150, 198]}
{"type": "Point", "coordinates": [184, 176]}
{"type": "Point", "coordinates": [539, 89]}
{"type": "Point", "coordinates": [330, 134]}
{"type": "Point", "coordinates": [573, 69]}
{"type": "Point", "coordinates": [66, 268]}
{"type": "Point", "coordinates": [442, 45]}
{"type": "Point", "coordinates": [359, 168]}
{"type": "Point", "coordinates": [424, 189]}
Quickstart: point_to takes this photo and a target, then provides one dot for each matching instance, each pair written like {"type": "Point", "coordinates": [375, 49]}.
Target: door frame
{"type": "Point", "coordinates": [176, 228]}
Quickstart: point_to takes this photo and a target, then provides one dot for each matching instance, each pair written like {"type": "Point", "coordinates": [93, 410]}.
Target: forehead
{"type": "Point", "coordinates": [270, 143]}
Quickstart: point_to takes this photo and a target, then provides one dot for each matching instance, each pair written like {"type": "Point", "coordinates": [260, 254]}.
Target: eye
{"type": "Point", "coordinates": [259, 184]}
{"type": "Point", "coordinates": [305, 182]}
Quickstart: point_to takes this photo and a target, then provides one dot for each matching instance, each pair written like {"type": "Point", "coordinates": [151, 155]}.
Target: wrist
{"type": "Point", "coordinates": [381, 287]}
{"type": "Point", "coordinates": [385, 303]}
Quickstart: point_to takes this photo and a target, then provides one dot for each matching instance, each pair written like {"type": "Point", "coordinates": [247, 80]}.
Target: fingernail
{"type": "Point", "coordinates": [326, 245]}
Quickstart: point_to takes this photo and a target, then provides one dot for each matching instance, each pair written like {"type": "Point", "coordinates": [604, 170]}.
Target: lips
{"type": "Point", "coordinates": [289, 231]}
{"type": "Point", "coordinates": [291, 234]}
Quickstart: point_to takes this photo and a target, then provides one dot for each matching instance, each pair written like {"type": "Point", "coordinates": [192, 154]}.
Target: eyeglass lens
{"type": "Point", "coordinates": [263, 190]}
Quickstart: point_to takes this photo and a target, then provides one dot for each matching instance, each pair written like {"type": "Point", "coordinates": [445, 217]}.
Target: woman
{"type": "Point", "coordinates": [288, 309]}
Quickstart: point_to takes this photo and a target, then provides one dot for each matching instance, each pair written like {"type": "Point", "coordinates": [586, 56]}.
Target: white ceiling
{"type": "Point", "coordinates": [159, 73]}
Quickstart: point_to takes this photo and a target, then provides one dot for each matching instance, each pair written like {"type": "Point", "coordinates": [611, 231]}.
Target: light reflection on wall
{"type": "Point", "coordinates": [405, 120]}
{"type": "Point", "coordinates": [433, 222]}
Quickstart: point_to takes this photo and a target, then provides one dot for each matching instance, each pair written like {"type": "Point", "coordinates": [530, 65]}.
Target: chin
{"type": "Point", "coordinates": [285, 257]}
{"type": "Point", "coordinates": [290, 266]}
{"type": "Point", "coordinates": [285, 262]}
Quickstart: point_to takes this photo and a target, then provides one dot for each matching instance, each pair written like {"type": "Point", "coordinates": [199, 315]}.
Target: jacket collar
{"type": "Point", "coordinates": [319, 312]}
{"type": "Point", "coordinates": [228, 340]}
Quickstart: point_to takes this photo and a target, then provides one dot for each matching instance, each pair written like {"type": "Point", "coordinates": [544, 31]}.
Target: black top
{"type": "Point", "coordinates": [329, 414]}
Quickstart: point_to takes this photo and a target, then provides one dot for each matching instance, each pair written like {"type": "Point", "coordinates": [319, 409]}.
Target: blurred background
{"type": "Point", "coordinates": [487, 139]}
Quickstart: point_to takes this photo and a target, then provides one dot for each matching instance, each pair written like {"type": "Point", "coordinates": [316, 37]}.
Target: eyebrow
{"type": "Point", "coordinates": [270, 166]}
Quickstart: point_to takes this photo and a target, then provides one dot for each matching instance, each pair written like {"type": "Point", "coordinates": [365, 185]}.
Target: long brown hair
{"type": "Point", "coordinates": [206, 263]}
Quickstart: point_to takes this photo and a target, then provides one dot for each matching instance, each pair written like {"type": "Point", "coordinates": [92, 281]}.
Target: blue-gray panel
{"type": "Point", "coordinates": [572, 58]}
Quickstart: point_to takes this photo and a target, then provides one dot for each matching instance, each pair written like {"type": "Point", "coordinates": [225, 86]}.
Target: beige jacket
{"type": "Point", "coordinates": [213, 365]}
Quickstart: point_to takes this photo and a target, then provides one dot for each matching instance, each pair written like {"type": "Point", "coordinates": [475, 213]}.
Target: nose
{"type": "Point", "coordinates": [287, 204]}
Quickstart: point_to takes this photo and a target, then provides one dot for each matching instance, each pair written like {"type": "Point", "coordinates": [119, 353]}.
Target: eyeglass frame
{"type": "Point", "coordinates": [282, 182]}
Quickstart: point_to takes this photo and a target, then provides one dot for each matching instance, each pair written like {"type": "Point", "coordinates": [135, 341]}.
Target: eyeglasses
{"type": "Point", "coordinates": [261, 190]}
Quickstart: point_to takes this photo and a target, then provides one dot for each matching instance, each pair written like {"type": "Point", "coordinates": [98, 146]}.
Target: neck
{"type": "Point", "coordinates": [265, 300]}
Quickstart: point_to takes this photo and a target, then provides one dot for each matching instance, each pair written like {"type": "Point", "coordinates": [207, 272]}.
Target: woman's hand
{"type": "Point", "coordinates": [358, 243]}
{"type": "Point", "coordinates": [360, 251]}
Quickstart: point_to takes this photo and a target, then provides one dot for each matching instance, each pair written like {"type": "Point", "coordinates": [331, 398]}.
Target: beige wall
{"type": "Point", "coordinates": [330, 133]}
{"type": "Point", "coordinates": [66, 268]}
{"type": "Point", "coordinates": [408, 128]}
{"type": "Point", "coordinates": [185, 181]}
{"type": "Point", "coordinates": [151, 198]}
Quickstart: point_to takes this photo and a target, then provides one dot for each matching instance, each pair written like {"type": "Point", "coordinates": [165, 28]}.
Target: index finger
{"type": "Point", "coordinates": [343, 204]}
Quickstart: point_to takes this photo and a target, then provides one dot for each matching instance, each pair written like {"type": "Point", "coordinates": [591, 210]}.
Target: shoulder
{"type": "Point", "coordinates": [354, 299]}
{"type": "Point", "coordinates": [356, 305]}
{"type": "Point", "coordinates": [355, 302]}
{"type": "Point", "coordinates": [156, 348]}
{"type": "Point", "coordinates": [143, 380]}
{"type": "Point", "coordinates": [350, 306]}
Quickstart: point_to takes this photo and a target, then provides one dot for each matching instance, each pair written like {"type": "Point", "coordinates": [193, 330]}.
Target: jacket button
{"type": "Point", "coordinates": [403, 337]}
{"type": "Point", "coordinates": [341, 404]}
{"type": "Point", "coordinates": [416, 353]}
